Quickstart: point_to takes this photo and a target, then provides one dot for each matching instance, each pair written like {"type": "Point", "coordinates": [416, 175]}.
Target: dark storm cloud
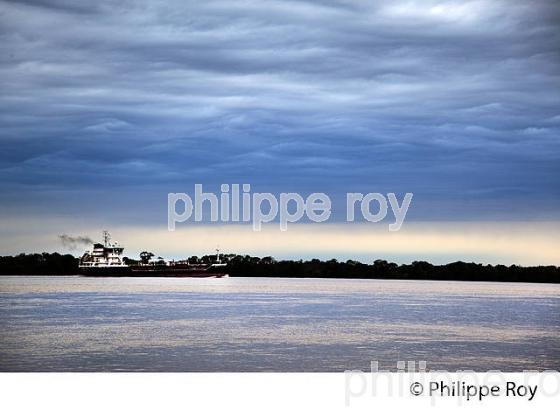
{"type": "Point", "coordinates": [450, 100]}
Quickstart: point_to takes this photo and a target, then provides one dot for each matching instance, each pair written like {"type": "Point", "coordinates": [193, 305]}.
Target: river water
{"type": "Point", "coordinates": [264, 324]}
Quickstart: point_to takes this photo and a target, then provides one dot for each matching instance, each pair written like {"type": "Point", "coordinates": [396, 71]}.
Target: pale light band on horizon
{"type": "Point", "coordinates": [525, 243]}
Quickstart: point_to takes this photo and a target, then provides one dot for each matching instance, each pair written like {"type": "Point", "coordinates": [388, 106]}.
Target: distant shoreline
{"type": "Point", "coordinates": [55, 264]}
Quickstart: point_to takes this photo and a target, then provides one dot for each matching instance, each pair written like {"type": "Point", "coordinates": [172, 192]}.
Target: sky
{"type": "Point", "coordinates": [106, 107]}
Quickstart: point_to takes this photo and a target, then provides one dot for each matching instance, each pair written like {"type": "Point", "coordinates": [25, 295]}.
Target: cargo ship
{"type": "Point", "coordinates": [105, 259]}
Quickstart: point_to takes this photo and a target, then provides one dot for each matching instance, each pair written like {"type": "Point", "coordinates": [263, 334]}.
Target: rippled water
{"type": "Point", "coordinates": [262, 324]}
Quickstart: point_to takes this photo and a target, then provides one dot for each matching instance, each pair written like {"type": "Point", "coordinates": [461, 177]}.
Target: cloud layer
{"type": "Point", "coordinates": [456, 101]}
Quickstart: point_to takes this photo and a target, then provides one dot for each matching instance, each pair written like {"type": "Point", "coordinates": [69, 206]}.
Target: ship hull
{"type": "Point", "coordinates": [142, 271]}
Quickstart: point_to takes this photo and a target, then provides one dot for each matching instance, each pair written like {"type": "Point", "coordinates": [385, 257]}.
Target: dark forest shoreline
{"type": "Point", "coordinates": [55, 264]}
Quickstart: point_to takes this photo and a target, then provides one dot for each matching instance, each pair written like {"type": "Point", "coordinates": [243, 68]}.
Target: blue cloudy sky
{"type": "Point", "coordinates": [107, 106]}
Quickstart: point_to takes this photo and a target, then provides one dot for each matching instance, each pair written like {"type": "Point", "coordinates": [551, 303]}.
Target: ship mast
{"type": "Point", "coordinates": [106, 238]}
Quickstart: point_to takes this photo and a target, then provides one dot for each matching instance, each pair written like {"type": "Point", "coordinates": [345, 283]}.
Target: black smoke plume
{"type": "Point", "coordinates": [72, 242]}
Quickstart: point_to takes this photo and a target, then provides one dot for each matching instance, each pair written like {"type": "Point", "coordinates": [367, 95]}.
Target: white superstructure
{"type": "Point", "coordinates": [106, 254]}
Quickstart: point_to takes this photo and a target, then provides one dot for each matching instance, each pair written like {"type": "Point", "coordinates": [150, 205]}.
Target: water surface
{"type": "Point", "coordinates": [264, 324]}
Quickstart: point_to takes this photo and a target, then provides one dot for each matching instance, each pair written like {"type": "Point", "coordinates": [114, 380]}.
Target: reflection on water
{"type": "Point", "coordinates": [258, 324]}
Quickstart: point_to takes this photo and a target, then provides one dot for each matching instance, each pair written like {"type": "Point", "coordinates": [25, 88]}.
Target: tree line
{"type": "Point", "coordinates": [251, 266]}
{"type": "Point", "coordinates": [381, 269]}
